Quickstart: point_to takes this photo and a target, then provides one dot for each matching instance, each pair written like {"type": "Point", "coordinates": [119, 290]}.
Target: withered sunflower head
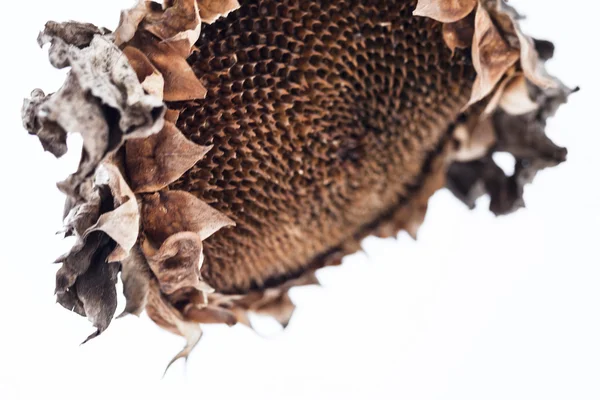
{"type": "Point", "coordinates": [231, 150]}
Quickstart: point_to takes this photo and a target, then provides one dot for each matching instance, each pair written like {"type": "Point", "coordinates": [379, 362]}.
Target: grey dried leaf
{"type": "Point", "coordinates": [70, 301]}
{"type": "Point", "coordinates": [52, 137]}
{"type": "Point", "coordinates": [97, 291]}
{"type": "Point", "coordinates": [121, 223]}
{"type": "Point", "coordinates": [130, 21]}
{"type": "Point", "coordinates": [474, 142]}
{"type": "Point", "coordinates": [100, 83]}
{"type": "Point", "coordinates": [524, 137]}
{"type": "Point", "coordinates": [136, 275]}
{"type": "Point", "coordinates": [77, 262]}
{"type": "Point", "coordinates": [77, 34]}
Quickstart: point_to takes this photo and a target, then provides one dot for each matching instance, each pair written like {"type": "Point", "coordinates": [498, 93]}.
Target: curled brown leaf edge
{"type": "Point", "coordinates": [127, 220]}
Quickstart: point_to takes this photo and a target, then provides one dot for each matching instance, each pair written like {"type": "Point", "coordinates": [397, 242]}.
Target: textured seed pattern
{"type": "Point", "coordinates": [322, 115]}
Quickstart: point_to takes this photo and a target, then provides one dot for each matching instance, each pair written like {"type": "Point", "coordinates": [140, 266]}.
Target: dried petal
{"type": "Point", "coordinates": [211, 10]}
{"type": "Point", "coordinates": [130, 21]}
{"type": "Point", "coordinates": [445, 10]}
{"type": "Point", "coordinates": [156, 161]}
{"type": "Point", "coordinates": [166, 316]}
{"type": "Point", "coordinates": [281, 308]}
{"type": "Point", "coordinates": [474, 143]}
{"type": "Point", "coordinates": [96, 289]}
{"type": "Point", "coordinates": [176, 264]}
{"type": "Point", "coordinates": [515, 97]}
{"type": "Point", "coordinates": [180, 22]}
{"type": "Point", "coordinates": [136, 275]}
{"type": "Point", "coordinates": [492, 56]}
{"type": "Point", "coordinates": [167, 213]}
{"type": "Point", "coordinates": [181, 83]}
{"type": "Point", "coordinates": [459, 34]}
{"type": "Point", "coordinates": [122, 223]}
{"type": "Point", "coordinates": [151, 79]}
{"type": "Point", "coordinates": [172, 115]}
{"type": "Point", "coordinates": [210, 315]}
{"type": "Point", "coordinates": [100, 83]}
{"type": "Point", "coordinates": [532, 66]}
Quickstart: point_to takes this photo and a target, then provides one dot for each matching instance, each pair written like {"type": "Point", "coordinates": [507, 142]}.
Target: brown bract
{"type": "Point", "coordinates": [459, 34]}
{"type": "Point", "coordinates": [155, 162]}
{"type": "Point", "coordinates": [166, 213]}
{"type": "Point", "coordinates": [492, 56]}
{"type": "Point", "coordinates": [445, 10]}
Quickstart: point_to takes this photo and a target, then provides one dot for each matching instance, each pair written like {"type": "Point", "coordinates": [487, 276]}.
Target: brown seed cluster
{"type": "Point", "coordinates": [322, 116]}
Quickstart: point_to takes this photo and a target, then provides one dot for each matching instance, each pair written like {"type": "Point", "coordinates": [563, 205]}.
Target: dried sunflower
{"type": "Point", "coordinates": [230, 150]}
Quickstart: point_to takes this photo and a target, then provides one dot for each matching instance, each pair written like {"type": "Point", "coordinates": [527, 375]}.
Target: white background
{"type": "Point", "coordinates": [479, 308]}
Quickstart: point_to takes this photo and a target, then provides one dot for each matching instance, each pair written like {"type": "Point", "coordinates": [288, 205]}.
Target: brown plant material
{"type": "Point", "coordinates": [459, 34]}
{"type": "Point", "coordinates": [100, 81]}
{"type": "Point", "coordinates": [310, 126]}
{"type": "Point", "coordinates": [166, 213]}
{"type": "Point", "coordinates": [445, 10]}
{"type": "Point", "coordinates": [151, 79]}
{"type": "Point", "coordinates": [211, 10]}
{"type": "Point", "coordinates": [161, 159]}
{"type": "Point", "coordinates": [515, 97]}
{"type": "Point", "coordinates": [136, 276]}
{"type": "Point", "coordinates": [160, 310]}
{"type": "Point", "coordinates": [492, 56]}
{"type": "Point", "coordinates": [106, 227]}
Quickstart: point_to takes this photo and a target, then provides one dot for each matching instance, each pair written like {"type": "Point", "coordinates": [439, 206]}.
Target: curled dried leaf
{"type": "Point", "coordinates": [210, 315]}
{"type": "Point", "coordinates": [96, 289]}
{"type": "Point", "coordinates": [136, 275]}
{"type": "Point", "coordinates": [156, 161]}
{"type": "Point", "coordinates": [522, 136]}
{"type": "Point", "coordinates": [130, 21]}
{"type": "Point", "coordinates": [474, 142]}
{"type": "Point", "coordinates": [281, 308]}
{"type": "Point", "coordinates": [211, 10]}
{"type": "Point", "coordinates": [167, 213]}
{"type": "Point", "coordinates": [492, 56]}
{"type": "Point", "coordinates": [181, 83]}
{"type": "Point", "coordinates": [165, 315]}
{"type": "Point", "coordinates": [533, 66]}
{"type": "Point", "coordinates": [179, 23]}
{"type": "Point", "coordinates": [445, 10]}
{"type": "Point", "coordinates": [122, 223]}
{"type": "Point", "coordinates": [151, 79]}
{"type": "Point", "coordinates": [459, 34]}
{"type": "Point", "coordinates": [515, 97]}
{"type": "Point", "coordinates": [177, 262]}
{"type": "Point", "coordinates": [101, 82]}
